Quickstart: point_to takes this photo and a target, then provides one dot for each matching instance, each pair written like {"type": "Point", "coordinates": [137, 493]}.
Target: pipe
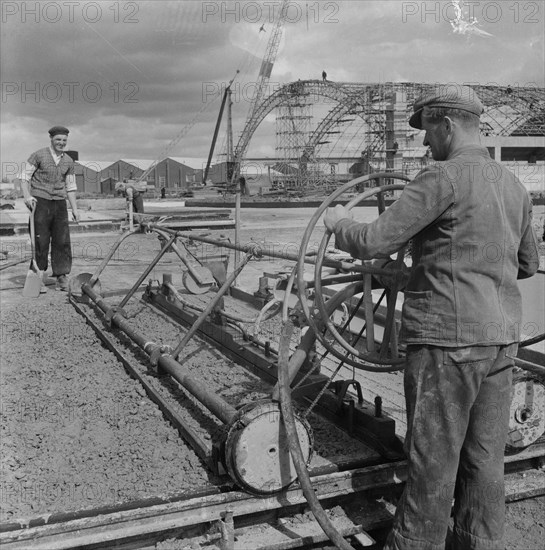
{"type": "Point", "coordinates": [295, 447]}
{"type": "Point", "coordinates": [237, 227]}
{"type": "Point", "coordinates": [531, 367]}
{"type": "Point", "coordinates": [109, 256]}
{"type": "Point", "coordinates": [147, 271]}
{"type": "Point", "coordinates": [309, 338]}
{"type": "Point", "coordinates": [192, 271]}
{"type": "Point", "coordinates": [220, 408]}
{"type": "Point", "coordinates": [256, 250]}
{"type": "Point", "coordinates": [195, 386]}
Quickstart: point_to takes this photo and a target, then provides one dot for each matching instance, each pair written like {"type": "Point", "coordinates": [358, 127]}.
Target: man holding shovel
{"type": "Point", "coordinates": [47, 182]}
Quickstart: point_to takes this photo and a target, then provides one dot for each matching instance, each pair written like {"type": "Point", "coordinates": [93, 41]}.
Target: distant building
{"type": "Point", "coordinates": [176, 174]}
{"type": "Point", "coordinates": [126, 169]}
{"type": "Point", "coordinates": [107, 186]}
{"type": "Point", "coordinates": [219, 173]}
{"type": "Point", "coordinates": [89, 175]}
{"type": "Point", "coordinates": [258, 175]}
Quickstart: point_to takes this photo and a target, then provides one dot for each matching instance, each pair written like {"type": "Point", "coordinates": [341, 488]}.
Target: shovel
{"type": "Point", "coordinates": [34, 277]}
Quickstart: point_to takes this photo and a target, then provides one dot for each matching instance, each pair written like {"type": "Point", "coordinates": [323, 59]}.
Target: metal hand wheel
{"type": "Point", "coordinates": [367, 353]}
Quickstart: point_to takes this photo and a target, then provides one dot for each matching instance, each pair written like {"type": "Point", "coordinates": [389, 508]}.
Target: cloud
{"type": "Point", "coordinates": [130, 79]}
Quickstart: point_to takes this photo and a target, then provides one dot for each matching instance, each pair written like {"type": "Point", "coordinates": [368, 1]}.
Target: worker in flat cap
{"type": "Point", "coordinates": [469, 220]}
{"type": "Point", "coordinates": [47, 182]}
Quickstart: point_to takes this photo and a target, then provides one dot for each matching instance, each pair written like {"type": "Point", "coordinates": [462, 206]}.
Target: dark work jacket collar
{"type": "Point", "coordinates": [474, 149]}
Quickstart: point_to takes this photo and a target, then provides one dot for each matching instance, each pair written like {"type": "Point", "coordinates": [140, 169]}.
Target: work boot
{"type": "Point", "coordinates": [62, 283]}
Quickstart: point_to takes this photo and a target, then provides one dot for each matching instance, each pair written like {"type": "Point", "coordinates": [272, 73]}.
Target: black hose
{"type": "Point", "coordinates": [293, 441]}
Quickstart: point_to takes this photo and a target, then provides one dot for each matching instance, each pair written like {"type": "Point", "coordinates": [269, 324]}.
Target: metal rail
{"type": "Point", "coordinates": [202, 447]}
{"type": "Point", "coordinates": [220, 408]}
{"type": "Point", "coordinates": [200, 514]}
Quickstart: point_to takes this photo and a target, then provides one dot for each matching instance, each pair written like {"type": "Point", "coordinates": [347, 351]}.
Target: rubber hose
{"type": "Point", "coordinates": [293, 442]}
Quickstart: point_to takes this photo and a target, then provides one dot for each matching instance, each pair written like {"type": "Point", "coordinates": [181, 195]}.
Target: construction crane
{"type": "Point", "coordinates": [226, 98]}
{"type": "Point", "coordinates": [183, 132]}
{"type": "Point", "coordinates": [263, 80]}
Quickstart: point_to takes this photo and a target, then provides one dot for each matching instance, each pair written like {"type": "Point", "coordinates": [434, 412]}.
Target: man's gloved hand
{"type": "Point", "coordinates": [30, 203]}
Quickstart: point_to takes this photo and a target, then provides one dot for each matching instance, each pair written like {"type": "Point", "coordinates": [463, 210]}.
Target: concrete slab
{"type": "Point", "coordinates": [108, 215]}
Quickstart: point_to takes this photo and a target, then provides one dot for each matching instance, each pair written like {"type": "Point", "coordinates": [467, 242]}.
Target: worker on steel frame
{"type": "Point", "coordinates": [469, 219]}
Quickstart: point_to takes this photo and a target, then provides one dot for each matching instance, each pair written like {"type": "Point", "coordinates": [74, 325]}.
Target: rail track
{"type": "Point", "coordinates": [218, 517]}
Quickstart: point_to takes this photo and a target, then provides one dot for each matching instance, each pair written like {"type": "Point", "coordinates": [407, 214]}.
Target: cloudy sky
{"type": "Point", "coordinates": [129, 78]}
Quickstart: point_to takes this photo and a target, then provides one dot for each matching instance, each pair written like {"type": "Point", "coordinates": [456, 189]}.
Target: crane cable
{"type": "Point", "coordinates": [187, 128]}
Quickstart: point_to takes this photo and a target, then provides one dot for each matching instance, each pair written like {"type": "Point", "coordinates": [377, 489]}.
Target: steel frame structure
{"type": "Point", "coordinates": [518, 111]}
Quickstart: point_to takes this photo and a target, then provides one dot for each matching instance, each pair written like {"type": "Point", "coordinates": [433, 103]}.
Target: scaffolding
{"type": "Point", "coordinates": [365, 127]}
{"type": "Point", "coordinates": [301, 170]}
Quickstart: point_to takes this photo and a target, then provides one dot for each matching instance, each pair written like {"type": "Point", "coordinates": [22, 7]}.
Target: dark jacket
{"type": "Point", "coordinates": [469, 219]}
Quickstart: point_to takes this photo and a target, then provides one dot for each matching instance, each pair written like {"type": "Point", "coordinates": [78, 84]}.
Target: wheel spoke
{"type": "Point", "coordinates": [371, 357]}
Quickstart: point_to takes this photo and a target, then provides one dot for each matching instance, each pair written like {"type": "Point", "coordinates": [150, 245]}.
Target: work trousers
{"type": "Point", "coordinates": [458, 403]}
{"type": "Point", "coordinates": [138, 203]}
{"type": "Point", "coordinates": [51, 228]}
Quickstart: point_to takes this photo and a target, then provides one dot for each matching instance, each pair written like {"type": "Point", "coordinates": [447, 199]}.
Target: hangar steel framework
{"type": "Point", "coordinates": [303, 141]}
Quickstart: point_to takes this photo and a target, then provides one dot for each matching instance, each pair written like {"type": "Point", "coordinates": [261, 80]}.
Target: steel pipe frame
{"type": "Point", "coordinates": [220, 408]}
{"type": "Point", "coordinates": [165, 361]}
{"type": "Point", "coordinates": [180, 255]}
{"type": "Point", "coordinates": [211, 305]}
{"type": "Point", "coordinates": [147, 271]}
{"type": "Point", "coordinates": [202, 447]}
{"type": "Point", "coordinates": [236, 321]}
{"type": "Point", "coordinates": [171, 243]}
{"type": "Point", "coordinates": [110, 254]}
{"type": "Point", "coordinates": [229, 316]}
{"type": "Point", "coordinates": [257, 251]}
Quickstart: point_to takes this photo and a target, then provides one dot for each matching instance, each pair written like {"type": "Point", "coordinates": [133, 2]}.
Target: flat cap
{"type": "Point", "coordinates": [58, 130]}
{"type": "Point", "coordinates": [449, 96]}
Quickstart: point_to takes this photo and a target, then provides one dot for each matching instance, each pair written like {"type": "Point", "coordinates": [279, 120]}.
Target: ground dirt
{"type": "Point", "coordinates": [77, 432]}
